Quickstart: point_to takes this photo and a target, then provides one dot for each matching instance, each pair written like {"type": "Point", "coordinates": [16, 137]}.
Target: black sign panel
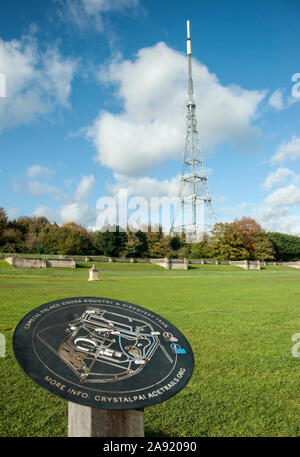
{"type": "Point", "coordinates": [103, 353]}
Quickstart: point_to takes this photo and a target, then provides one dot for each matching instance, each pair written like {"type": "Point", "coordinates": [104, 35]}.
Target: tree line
{"type": "Point", "coordinates": [237, 240]}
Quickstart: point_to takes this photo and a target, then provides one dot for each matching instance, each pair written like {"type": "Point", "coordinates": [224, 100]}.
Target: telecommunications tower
{"type": "Point", "coordinates": [194, 198]}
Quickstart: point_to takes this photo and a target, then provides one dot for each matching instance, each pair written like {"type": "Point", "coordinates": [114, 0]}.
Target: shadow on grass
{"type": "Point", "coordinates": [149, 433]}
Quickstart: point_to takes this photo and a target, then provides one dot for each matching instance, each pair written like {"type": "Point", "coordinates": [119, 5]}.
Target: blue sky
{"type": "Point", "coordinates": [95, 101]}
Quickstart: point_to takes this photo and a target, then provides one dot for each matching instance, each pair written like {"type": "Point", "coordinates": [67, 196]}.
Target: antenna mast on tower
{"type": "Point", "coordinates": [193, 191]}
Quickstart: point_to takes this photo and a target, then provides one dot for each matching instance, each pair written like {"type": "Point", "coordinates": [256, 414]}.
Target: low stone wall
{"type": "Point", "coordinates": [240, 263]}
{"type": "Point", "coordinates": [18, 262]}
{"type": "Point", "coordinates": [255, 265]}
{"type": "Point", "coordinates": [246, 264]}
{"type": "Point", "coordinates": [168, 264]}
{"type": "Point", "coordinates": [206, 262]}
{"type": "Point", "coordinates": [178, 265]}
{"type": "Point", "coordinates": [292, 264]}
{"type": "Point", "coordinates": [171, 264]}
{"type": "Point", "coordinates": [61, 263]}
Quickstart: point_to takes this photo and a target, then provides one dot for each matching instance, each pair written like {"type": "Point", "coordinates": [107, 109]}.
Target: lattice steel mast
{"type": "Point", "coordinates": [193, 192]}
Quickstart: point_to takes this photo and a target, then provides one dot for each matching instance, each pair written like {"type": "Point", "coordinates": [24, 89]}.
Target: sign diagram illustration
{"type": "Point", "coordinates": [103, 353]}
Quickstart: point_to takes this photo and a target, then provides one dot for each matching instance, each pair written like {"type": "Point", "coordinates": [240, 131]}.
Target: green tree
{"type": "Point", "coordinates": [132, 245]}
{"type": "Point", "coordinates": [84, 238]}
{"type": "Point", "coordinates": [158, 244]}
{"type": "Point", "coordinates": [175, 242]}
{"type": "Point", "coordinates": [199, 250]}
{"type": "Point", "coordinates": [263, 247]}
{"type": "Point", "coordinates": [50, 239]}
{"type": "Point", "coordinates": [183, 252]}
{"type": "Point", "coordinates": [33, 243]}
{"type": "Point", "coordinates": [112, 241]}
{"type": "Point", "coordinates": [13, 240]}
{"type": "Point", "coordinates": [287, 247]}
{"type": "Point", "coordinates": [3, 221]}
{"type": "Point", "coordinates": [226, 242]}
{"type": "Point", "coordinates": [94, 238]}
{"type": "Point", "coordinates": [142, 250]}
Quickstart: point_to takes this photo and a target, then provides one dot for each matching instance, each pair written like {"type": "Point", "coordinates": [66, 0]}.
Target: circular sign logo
{"type": "Point", "coordinates": [103, 353]}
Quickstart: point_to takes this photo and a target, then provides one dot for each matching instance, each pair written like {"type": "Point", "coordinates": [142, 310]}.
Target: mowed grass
{"type": "Point", "coordinates": [239, 324]}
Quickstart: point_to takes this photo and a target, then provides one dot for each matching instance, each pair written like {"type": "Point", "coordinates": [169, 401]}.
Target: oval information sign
{"type": "Point", "coordinates": [103, 353]}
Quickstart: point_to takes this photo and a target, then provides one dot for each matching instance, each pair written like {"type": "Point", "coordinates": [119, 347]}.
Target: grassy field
{"type": "Point", "coordinates": [239, 324]}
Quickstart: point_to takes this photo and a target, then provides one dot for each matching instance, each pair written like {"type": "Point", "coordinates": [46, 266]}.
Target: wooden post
{"type": "Point", "coordinates": [84, 421]}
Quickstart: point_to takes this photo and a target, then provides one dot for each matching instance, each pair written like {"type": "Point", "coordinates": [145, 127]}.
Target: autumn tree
{"type": "Point", "coordinates": [84, 237]}
{"type": "Point", "coordinates": [13, 240]}
{"type": "Point", "coordinates": [158, 245]}
{"type": "Point", "coordinates": [33, 243]}
{"type": "Point", "coordinates": [132, 245]}
{"type": "Point", "coordinates": [248, 228]}
{"type": "Point", "coordinates": [263, 247]}
{"type": "Point", "coordinates": [226, 242]}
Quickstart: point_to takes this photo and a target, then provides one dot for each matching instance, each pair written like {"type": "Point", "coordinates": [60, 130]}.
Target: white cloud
{"type": "Point", "coordinates": [45, 211]}
{"type": "Point", "coordinates": [35, 188]}
{"type": "Point", "coordinates": [36, 81]}
{"type": "Point", "coordinates": [228, 213]}
{"type": "Point", "coordinates": [59, 74]}
{"type": "Point", "coordinates": [83, 189]}
{"type": "Point", "coordinates": [145, 187]}
{"type": "Point", "coordinates": [277, 177]}
{"type": "Point", "coordinates": [134, 148]}
{"type": "Point", "coordinates": [12, 212]}
{"type": "Point", "coordinates": [89, 13]}
{"type": "Point", "coordinates": [288, 151]}
{"type": "Point", "coordinates": [77, 212]}
{"type": "Point", "coordinates": [38, 170]}
{"type": "Point", "coordinates": [285, 196]}
{"type": "Point", "coordinates": [280, 100]}
{"type": "Point", "coordinates": [76, 209]}
{"type": "Point", "coordinates": [276, 100]}
{"type": "Point", "coordinates": [274, 214]}
{"type": "Point", "coordinates": [151, 127]}
{"type": "Point", "coordinates": [38, 189]}
{"type": "Point", "coordinates": [278, 220]}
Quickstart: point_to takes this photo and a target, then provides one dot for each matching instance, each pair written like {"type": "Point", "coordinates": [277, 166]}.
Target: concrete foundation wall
{"type": "Point", "coordinates": [19, 262]}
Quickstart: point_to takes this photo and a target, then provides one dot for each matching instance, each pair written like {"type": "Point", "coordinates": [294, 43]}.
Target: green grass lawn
{"type": "Point", "coordinates": [239, 324]}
